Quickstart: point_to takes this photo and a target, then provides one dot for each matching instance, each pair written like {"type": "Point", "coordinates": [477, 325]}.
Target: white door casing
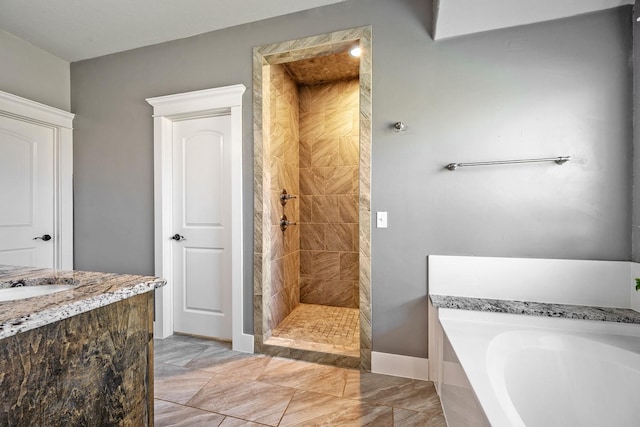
{"type": "Point", "coordinates": [166, 111]}
{"type": "Point", "coordinates": [201, 217]}
{"type": "Point", "coordinates": [36, 162]}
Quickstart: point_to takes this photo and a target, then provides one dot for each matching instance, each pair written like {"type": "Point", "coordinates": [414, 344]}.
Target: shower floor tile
{"type": "Point", "coordinates": [320, 328]}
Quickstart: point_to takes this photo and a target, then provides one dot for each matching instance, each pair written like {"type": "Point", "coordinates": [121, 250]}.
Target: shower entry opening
{"type": "Point", "coordinates": [312, 127]}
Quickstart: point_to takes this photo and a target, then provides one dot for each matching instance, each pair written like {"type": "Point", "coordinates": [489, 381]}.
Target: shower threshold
{"type": "Point", "coordinates": [321, 329]}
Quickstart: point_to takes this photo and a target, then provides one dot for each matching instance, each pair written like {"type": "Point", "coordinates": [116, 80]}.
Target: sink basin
{"type": "Point", "coordinates": [27, 288]}
{"type": "Point", "coordinates": [22, 292]}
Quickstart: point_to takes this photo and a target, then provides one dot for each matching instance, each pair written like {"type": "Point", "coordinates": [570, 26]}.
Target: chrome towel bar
{"type": "Point", "coordinates": [558, 160]}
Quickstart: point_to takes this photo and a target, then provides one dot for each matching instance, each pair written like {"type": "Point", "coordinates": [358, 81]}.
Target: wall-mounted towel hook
{"type": "Point", "coordinates": [399, 126]}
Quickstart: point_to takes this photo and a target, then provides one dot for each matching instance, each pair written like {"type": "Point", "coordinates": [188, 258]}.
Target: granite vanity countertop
{"type": "Point", "coordinates": [584, 312]}
{"type": "Point", "coordinates": [92, 290]}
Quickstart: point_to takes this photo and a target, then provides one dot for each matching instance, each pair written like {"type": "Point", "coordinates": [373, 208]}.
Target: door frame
{"type": "Point", "coordinates": [166, 110]}
{"type": "Point", "coordinates": [61, 122]}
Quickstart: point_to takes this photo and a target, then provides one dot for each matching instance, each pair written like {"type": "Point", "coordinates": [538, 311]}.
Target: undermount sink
{"type": "Point", "coordinates": [27, 288]}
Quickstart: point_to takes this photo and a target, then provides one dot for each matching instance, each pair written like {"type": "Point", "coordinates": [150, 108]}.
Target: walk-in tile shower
{"type": "Point", "coordinates": [312, 109]}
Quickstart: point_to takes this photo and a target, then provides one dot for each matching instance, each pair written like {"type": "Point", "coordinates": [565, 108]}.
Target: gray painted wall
{"type": "Point", "coordinates": [636, 135]}
{"type": "Point", "coordinates": [32, 73]}
{"type": "Point", "coordinates": [557, 88]}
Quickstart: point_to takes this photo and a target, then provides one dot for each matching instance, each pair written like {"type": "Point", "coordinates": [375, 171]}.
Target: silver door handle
{"type": "Point", "coordinates": [177, 237]}
{"type": "Point", "coordinates": [44, 237]}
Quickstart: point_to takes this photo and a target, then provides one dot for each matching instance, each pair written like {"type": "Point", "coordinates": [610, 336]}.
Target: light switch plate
{"type": "Point", "coordinates": [381, 220]}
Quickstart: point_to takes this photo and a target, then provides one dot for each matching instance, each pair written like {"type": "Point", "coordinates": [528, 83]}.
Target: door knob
{"type": "Point", "coordinates": [44, 237]}
{"type": "Point", "coordinates": [177, 237]}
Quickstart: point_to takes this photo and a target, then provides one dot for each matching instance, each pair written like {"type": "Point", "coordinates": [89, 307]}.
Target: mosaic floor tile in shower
{"type": "Point", "coordinates": [320, 328]}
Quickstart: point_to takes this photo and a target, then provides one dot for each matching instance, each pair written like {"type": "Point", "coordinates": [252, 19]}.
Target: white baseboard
{"type": "Point", "coordinates": [400, 366]}
{"type": "Point", "coordinates": [159, 333]}
{"type": "Point", "coordinates": [245, 344]}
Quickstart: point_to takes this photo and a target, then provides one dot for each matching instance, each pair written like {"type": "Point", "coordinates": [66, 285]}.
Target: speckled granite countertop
{"type": "Point", "coordinates": [91, 291]}
{"type": "Point", "coordinates": [604, 314]}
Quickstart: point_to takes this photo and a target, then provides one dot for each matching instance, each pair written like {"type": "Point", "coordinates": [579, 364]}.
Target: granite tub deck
{"type": "Point", "coordinates": [77, 357]}
{"type": "Point", "coordinates": [568, 311]}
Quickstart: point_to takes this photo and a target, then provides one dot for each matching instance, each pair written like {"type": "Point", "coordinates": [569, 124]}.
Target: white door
{"type": "Point", "coordinates": [26, 193]}
{"type": "Point", "coordinates": [201, 226]}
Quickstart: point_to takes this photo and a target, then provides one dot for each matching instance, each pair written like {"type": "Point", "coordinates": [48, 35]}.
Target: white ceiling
{"type": "Point", "coordinates": [460, 17]}
{"type": "Point", "coordinates": [80, 29]}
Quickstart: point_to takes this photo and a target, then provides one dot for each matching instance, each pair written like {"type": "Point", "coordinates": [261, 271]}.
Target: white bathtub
{"type": "Point", "coordinates": [545, 372]}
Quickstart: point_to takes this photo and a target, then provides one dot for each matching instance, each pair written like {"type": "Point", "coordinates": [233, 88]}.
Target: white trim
{"type": "Point", "coordinates": [436, 347]}
{"type": "Point", "coordinates": [237, 320]}
{"type": "Point", "coordinates": [397, 365]}
{"type": "Point", "coordinates": [167, 109]}
{"type": "Point", "coordinates": [634, 301]}
{"type": "Point", "coordinates": [198, 102]}
{"type": "Point", "coordinates": [35, 111]}
{"type": "Point", "coordinates": [62, 123]}
{"type": "Point", "coordinates": [245, 344]}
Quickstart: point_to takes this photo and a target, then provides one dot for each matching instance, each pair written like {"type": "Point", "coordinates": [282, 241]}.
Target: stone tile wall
{"type": "Point", "coordinates": [285, 246]}
{"type": "Point", "coordinates": [329, 184]}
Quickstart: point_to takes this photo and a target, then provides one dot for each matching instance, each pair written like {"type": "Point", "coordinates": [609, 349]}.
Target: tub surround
{"type": "Point", "coordinates": [555, 281]}
{"type": "Point", "coordinates": [477, 303]}
{"type": "Point", "coordinates": [530, 308]}
{"type": "Point", "coordinates": [82, 356]}
{"type": "Point", "coordinates": [537, 371]}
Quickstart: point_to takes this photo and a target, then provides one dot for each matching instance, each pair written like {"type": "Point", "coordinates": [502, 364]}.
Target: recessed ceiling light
{"type": "Point", "coordinates": [355, 52]}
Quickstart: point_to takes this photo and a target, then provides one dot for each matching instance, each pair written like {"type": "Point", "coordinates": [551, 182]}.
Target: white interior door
{"type": "Point", "coordinates": [26, 193]}
{"type": "Point", "coordinates": [201, 220]}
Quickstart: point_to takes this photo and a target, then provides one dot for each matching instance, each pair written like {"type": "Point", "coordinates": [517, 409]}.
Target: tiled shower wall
{"type": "Point", "coordinates": [329, 156]}
{"type": "Point", "coordinates": [285, 247]}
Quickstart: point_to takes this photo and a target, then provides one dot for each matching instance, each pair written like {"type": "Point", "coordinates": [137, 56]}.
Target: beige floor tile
{"type": "Point", "coordinates": [176, 352]}
{"type": "Point", "coordinates": [305, 376]}
{"type": "Point", "coordinates": [407, 418]}
{"type": "Point", "coordinates": [237, 422]}
{"type": "Point", "coordinates": [167, 414]}
{"type": "Point", "coordinates": [181, 349]}
{"type": "Point", "coordinates": [397, 392]}
{"type": "Point", "coordinates": [314, 409]}
{"type": "Point", "coordinates": [178, 384]}
{"type": "Point", "coordinates": [229, 362]}
{"type": "Point", "coordinates": [286, 392]}
{"type": "Point", "coordinates": [242, 398]}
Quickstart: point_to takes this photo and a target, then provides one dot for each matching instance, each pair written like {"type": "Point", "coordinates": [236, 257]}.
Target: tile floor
{"type": "Point", "coordinates": [320, 328]}
{"type": "Point", "coordinates": [204, 383]}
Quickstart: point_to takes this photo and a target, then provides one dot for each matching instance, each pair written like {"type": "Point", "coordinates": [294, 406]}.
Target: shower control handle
{"type": "Point", "coordinates": [284, 223]}
{"type": "Point", "coordinates": [284, 197]}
